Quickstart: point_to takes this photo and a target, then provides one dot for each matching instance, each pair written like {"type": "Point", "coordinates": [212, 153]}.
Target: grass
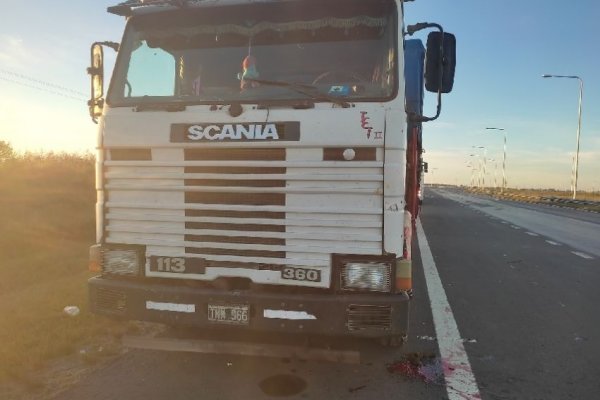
{"type": "Point", "coordinates": [47, 214]}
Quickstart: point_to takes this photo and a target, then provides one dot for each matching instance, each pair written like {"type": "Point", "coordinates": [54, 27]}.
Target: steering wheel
{"type": "Point", "coordinates": [354, 76]}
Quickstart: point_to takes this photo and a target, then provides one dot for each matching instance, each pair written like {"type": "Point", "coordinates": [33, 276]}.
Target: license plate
{"type": "Point", "coordinates": [229, 314]}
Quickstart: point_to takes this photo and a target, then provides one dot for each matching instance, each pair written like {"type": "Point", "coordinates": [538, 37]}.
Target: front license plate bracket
{"type": "Point", "coordinates": [230, 314]}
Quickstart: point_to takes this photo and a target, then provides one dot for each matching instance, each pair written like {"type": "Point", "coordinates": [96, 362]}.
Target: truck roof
{"type": "Point", "coordinates": [134, 7]}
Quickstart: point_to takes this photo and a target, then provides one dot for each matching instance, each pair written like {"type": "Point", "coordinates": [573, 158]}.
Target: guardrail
{"type": "Point", "coordinates": [560, 200]}
{"type": "Point", "coordinates": [585, 205]}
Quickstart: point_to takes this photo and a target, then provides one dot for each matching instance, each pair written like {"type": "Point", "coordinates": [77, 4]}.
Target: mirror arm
{"type": "Point", "coordinates": [90, 104]}
{"type": "Point", "coordinates": [112, 45]}
{"type": "Point", "coordinates": [411, 30]}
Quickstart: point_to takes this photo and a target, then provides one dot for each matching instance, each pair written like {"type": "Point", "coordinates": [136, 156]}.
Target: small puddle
{"type": "Point", "coordinates": [420, 366]}
{"type": "Point", "coordinates": [282, 385]}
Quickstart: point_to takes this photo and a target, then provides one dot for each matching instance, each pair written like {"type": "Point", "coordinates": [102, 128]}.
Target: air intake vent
{"type": "Point", "coordinates": [237, 186]}
{"type": "Point", "coordinates": [369, 317]}
{"type": "Point", "coordinates": [111, 301]}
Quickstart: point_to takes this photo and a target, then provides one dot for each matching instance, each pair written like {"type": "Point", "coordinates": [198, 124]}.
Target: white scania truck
{"type": "Point", "coordinates": [258, 164]}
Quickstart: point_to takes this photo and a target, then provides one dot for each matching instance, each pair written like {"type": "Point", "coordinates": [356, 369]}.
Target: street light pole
{"type": "Point", "coordinates": [495, 172]}
{"type": "Point", "coordinates": [575, 173]}
{"type": "Point", "coordinates": [473, 180]}
{"type": "Point", "coordinates": [482, 179]}
{"type": "Point", "coordinates": [472, 168]}
{"type": "Point", "coordinates": [503, 159]}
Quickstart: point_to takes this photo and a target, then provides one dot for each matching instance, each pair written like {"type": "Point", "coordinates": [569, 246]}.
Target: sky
{"type": "Point", "coordinates": [503, 48]}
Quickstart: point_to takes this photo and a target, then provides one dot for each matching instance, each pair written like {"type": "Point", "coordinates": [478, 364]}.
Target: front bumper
{"type": "Point", "coordinates": [366, 315]}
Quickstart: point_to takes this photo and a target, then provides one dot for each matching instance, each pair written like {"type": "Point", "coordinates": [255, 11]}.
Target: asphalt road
{"type": "Point", "coordinates": [522, 291]}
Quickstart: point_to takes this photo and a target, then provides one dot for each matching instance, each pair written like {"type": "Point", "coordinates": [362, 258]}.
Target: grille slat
{"type": "Point", "coordinates": [247, 174]}
{"type": "Point", "coordinates": [243, 165]}
{"type": "Point", "coordinates": [236, 154]}
{"type": "Point", "coordinates": [235, 239]}
{"type": "Point", "coordinates": [210, 208]}
{"type": "Point", "coordinates": [254, 199]}
{"type": "Point", "coordinates": [235, 183]}
{"type": "Point", "coordinates": [207, 193]}
{"type": "Point", "coordinates": [318, 247]}
{"type": "Point", "coordinates": [234, 214]}
{"type": "Point", "coordinates": [235, 226]}
{"type": "Point", "coordinates": [241, 223]}
{"type": "Point", "coordinates": [236, 252]}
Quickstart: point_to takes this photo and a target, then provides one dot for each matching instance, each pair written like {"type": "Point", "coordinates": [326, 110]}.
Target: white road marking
{"type": "Point", "coordinates": [460, 381]}
{"type": "Point", "coordinates": [582, 255]}
{"type": "Point", "coordinates": [532, 234]}
{"type": "Point", "coordinates": [552, 243]}
{"type": "Point", "coordinates": [515, 227]}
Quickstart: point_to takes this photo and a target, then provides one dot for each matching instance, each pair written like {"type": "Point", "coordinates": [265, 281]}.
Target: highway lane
{"type": "Point", "coordinates": [577, 229]}
{"type": "Point", "coordinates": [530, 306]}
{"type": "Point", "coordinates": [525, 310]}
{"type": "Point", "coordinates": [558, 211]}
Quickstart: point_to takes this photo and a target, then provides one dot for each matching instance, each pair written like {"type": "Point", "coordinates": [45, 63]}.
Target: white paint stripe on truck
{"type": "Point", "coordinates": [184, 308]}
{"type": "Point", "coordinates": [286, 314]}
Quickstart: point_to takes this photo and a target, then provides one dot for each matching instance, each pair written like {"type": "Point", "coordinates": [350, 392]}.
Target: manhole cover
{"type": "Point", "coordinates": [282, 385]}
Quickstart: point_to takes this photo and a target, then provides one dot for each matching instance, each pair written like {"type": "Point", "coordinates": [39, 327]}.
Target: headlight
{"type": "Point", "coordinates": [374, 276]}
{"type": "Point", "coordinates": [121, 261]}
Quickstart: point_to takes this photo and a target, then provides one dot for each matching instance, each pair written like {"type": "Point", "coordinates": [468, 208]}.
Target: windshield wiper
{"type": "Point", "coordinates": [307, 90]}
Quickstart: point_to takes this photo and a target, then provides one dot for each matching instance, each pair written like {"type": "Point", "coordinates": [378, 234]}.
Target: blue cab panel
{"type": "Point", "coordinates": [414, 60]}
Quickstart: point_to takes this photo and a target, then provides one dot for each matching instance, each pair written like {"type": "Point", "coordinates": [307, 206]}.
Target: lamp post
{"type": "Point", "coordinates": [503, 158]}
{"type": "Point", "coordinates": [482, 175]}
{"type": "Point", "coordinates": [576, 161]}
{"type": "Point", "coordinates": [472, 168]}
{"type": "Point", "coordinates": [478, 170]}
{"type": "Point", "coordinates": [495, 172]}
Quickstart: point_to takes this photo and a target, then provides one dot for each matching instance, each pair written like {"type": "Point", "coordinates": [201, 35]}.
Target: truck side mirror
{"type": "Point", "coordinates": [440, 62]}
{"type": "Point", "coordinates": [96, 72]}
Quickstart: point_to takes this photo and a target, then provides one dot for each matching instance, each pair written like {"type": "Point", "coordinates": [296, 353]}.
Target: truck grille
{"type": "Point", "coordinates": [249, 191]}
{"type": "Point", "coordinates": [111, 301]}
{"type": "Point", "coordinates": [365, 317]}
{"type": "Point", "coordinates": [252, 208]}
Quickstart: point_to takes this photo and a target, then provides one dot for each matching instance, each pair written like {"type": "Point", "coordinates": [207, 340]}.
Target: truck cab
{"type": "Point", "coordinates": [256, 166]}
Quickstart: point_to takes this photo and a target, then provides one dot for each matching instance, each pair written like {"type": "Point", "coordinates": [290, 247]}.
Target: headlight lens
{"type": "Point", "coordinates": [367, 276]}
{"type": "Point", "coordinates": [120, 261]}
